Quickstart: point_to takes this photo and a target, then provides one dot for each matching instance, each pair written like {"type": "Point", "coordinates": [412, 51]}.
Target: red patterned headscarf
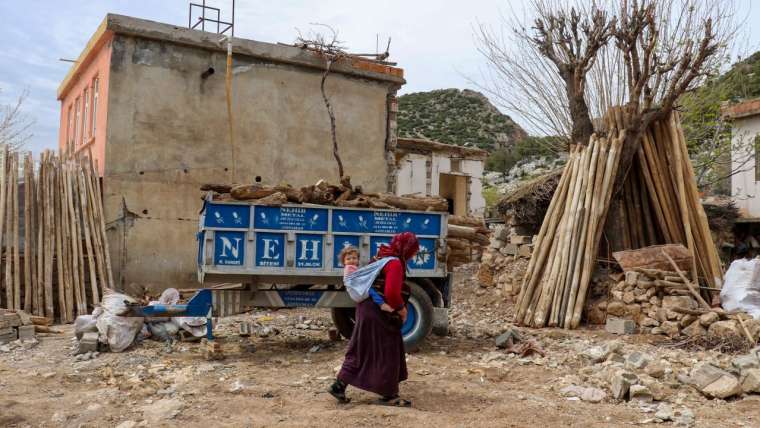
{"type": "Point", "coordinates": [404, 246]}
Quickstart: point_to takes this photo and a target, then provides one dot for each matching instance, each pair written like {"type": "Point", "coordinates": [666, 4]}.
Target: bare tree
{"type": "Point", "coordinates": [332, 50]}
{"type": "Point", "coordinates": [641, 53]}
{"type": "Point", "coordinates": [15, 125]}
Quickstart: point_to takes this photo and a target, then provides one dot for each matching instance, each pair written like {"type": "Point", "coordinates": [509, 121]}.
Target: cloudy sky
{"type": "Point", "coordinates": [431, 39]}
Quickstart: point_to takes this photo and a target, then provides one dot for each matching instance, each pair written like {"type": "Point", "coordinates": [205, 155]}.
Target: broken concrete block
{"type": "Point", "coordinates": [88, 343]}
{"type": "Point", "coordinates": [620, 326]}
{"type": "Point", "coordinates": [750, 380]}
{"type": "Point", "coordinates": [26, 332]}
{"type": "Point", "coordinates": [621, 384]}
{"type": "Point", "coordinates": [714, 381]}
{"type": "Point", "coordinates": [640, 393]}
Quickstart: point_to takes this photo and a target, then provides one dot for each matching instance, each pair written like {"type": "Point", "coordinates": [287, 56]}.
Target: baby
{"type": "Point", "coordinates": [349, 256]}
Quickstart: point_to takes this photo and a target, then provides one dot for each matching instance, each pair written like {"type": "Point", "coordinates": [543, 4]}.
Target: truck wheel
{"type": "Point", "coordinates": [418, 323]}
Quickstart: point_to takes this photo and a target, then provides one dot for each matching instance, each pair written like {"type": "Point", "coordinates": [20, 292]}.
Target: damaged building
{"type": "Point", "coordinates": [147, 101]}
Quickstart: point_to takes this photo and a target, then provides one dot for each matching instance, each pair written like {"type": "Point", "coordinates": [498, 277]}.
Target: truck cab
{"type": "Point", "coordinates": [287, 256]}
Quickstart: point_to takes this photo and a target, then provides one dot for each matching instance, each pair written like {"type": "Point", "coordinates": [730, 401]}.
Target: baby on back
{"type": "Point", "coordinates": [349, 257]}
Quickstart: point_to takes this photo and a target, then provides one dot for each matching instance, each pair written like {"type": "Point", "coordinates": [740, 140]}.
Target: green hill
{"type": "Point", "coordinates": [453, 116]}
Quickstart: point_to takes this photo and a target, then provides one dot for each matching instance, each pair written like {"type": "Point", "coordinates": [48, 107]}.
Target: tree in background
{"type": "Point", "coordinates": [577, 58]}
{"type": "Point", "coordinates": [15, 125]}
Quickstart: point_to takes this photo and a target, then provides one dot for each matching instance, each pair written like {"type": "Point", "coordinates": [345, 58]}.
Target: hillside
{"type": "Point", "coordinates": [453, 116]}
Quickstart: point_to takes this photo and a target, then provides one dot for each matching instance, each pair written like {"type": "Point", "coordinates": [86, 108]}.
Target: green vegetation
{"type": "Point", "coordinates": [453, 116]}
{"type": "Point", "coordinates": [492, 197]}
{"type": "Point", "coordinates": [502, 160]}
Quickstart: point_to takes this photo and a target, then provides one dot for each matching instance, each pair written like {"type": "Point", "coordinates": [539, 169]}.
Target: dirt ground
{"type": "Point", "coordinates": [460, 380]}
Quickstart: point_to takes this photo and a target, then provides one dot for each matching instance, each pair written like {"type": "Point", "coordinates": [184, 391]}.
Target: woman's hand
{"type": "Point", "coordinates": [403, 313]}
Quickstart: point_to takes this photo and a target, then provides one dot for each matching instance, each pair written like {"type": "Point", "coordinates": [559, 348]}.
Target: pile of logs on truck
{"type": "Point", "coordinates": [467, 236]}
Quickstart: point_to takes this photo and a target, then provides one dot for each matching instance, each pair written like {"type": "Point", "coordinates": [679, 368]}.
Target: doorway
{"type": "Point", "coordinates": [453, 188]}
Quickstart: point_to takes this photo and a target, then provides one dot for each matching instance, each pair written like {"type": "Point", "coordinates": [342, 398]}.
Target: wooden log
{"type": "Point", "coordinates": [101, 218]}
{"type": "Point", "coordinates": [15, 233]}
{"type": "Point", "coordinates": [64, 305]}
{"type": "Point", "coordinates": [94, 224]}
{"type": "Point", "coordinates": [49, 237]}
{"type": "Point", "coordinates": [468, 233]}
{"type": "Point", "coordinates": [39, 308]}
{"type": "Point", "coordinates": [430, 203]}
{"type": "Point", "coordinates": [28, 186]}
{"type": "Point", "coordinates": [33, 225]}
{"type": "Point", "coordinates": [245, 192]}
{"type": "Point", "coordinates": [64, 252]}
{"type": "Point", "coordinates": [219, 188]}
{"type": "Point", "coordinates": [652, 197]}
{"type": "Point", "coordinates": [459, 220]}
{"type": "Point", "coordinates": [46, 329]}
{"type": "Point", "coordinates": [76, 254]}
{"type": "Point", "coordinates": [82, 190]}
{"type": "Point", "coordinates": [3, 192]}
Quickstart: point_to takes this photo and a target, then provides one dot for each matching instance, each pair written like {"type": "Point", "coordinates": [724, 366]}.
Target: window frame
{"type": "Point", "coordinates": [95, 99]}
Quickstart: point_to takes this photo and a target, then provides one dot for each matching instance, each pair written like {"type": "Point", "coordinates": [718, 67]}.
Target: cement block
{"type": "Point", "coordinates": [510, 249]}
{"type": "Point", "coordinates": [88, 343]}
{"type": "Point", "coordinates": [26, 332]}
{"type": "Point", "coordinates": [520, 239]}
{"type": "Point", "coordinates": [620, 326]}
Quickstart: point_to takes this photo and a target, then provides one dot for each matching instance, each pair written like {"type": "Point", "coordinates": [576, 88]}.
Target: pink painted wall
{"type": "Point", "coordinates": [95, 64]}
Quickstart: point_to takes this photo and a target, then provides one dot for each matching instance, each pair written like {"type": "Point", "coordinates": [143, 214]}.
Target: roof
{"type": "Point", "coordinates": [741, 110]}
{"type": "Point", "coordinates": [427, 146]}
{"type": "Point", "coordinates": [278, 53]}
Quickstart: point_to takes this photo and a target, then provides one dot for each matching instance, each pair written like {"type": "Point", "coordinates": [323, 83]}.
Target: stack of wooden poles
{"type": "Point", "coordinates": [56, 261]}
{"type": "Point", "coordinates": [659, 204]}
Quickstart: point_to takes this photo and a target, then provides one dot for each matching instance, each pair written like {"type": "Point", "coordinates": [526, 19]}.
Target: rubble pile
{"type": "Point", "coordinates": [503, 262]}
{"type": "Point", "coordinates": [660, 303]}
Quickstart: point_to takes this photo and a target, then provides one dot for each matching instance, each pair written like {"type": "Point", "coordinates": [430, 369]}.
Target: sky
{"type": "Point", "coordinates": [432, 40]}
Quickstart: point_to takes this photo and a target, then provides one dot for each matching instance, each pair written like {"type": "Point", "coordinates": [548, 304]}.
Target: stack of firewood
{"type": "Point", "coordinates": [56, 261]}
{"type": "Point", "coordinates": [467, 238]}
{"type": "Point", "coordinates": [659, 205]}
{"type": "Point", "coordinates": [324, 193]}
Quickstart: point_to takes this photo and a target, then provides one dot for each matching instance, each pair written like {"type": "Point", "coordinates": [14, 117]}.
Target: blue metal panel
{"type": "Point", "coordinates": [270, 249]}
{"type": "Point", "coordinates": [425, 258]}
{"type": "Point", "coordinates": [229, 248]}
{"type": "Point", "coordinates": [228, 216]}
{"type": "Point", "coordinates": [420, 224]}
{"type": "Point", "coordinates": [291, 218]}
{"type": "Point", "coordinates": [341, 242]}
{"type": "Point", "coordinates": [376, 241]}
{"type": "Point", "coordinates": [309, 250]}
{"type": "Point", "coordinates": [352, 221]}
{"type": "Point", "coordinates": [293, 298]}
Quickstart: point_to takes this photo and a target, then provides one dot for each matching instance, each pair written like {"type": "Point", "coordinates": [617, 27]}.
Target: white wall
{"type": "Point", "coordinates": [412, 177]}
{"type": "Point", "coordinates": [745, 191]}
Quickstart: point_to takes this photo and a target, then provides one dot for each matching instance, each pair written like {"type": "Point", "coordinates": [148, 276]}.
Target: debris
{"type": "Point", "coordinates": [621, 384]}
{"type": "Point", "coordinates": [750, 380]}
{"type": "Point", "coordinates": [162, 410]}
{"type": "Point", "coordinates": [508, 338]}
{"type": "Point", "coordinates": [590, 394]}
{"type": "Point", "coordinates": [637, 360]}
{"type": "Point", "coordinates": [713, 381]}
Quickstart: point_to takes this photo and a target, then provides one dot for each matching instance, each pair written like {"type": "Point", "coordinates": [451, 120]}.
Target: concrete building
{"type": "Point", "coordinates": [745, 152]}
{"type": "Point", "coordinates": [454, 172]}
{"type": "Point", "coordinates": [147, 101]}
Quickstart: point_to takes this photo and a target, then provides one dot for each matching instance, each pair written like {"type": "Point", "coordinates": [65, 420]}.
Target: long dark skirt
{"type": "Point", "coordinates": [375, 360]}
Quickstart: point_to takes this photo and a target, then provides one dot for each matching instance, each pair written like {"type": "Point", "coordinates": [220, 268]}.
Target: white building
{"type": "Point", "coordinates": [429, 168]}
{"type": "Point", "coordinates": [745, 151]}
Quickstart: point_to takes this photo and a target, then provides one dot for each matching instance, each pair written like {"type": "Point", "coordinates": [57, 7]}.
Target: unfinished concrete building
{"type": "Point", "coordinates": [430, 168]}
{"type": "Point", "coordinates": [147, 101]}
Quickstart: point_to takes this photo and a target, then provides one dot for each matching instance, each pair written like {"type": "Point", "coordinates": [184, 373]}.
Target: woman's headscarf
{"type": "Point", "coordinates": [404, 246]}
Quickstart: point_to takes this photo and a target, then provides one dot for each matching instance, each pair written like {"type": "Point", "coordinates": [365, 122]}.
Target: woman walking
{"type": "Point", "coordinates": [375, 359]}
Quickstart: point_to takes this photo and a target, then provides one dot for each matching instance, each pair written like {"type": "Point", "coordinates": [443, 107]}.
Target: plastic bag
{"type": "Point", "coordinates": [163, 331]}
{"type": "Point", "coordinates": [170, 296]}
{"type": "Point", "coordinates": [193, 325]}
{"type": "Point", "coordinates": [84, 324]}
{"type": "Point", "coordinates": [741, 287]}
{"type": "Point", "coordinates": [116, 330]}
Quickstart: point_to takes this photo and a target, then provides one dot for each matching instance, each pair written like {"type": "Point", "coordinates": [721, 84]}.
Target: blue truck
{"type": "Point", "coordinates": [287, 256]}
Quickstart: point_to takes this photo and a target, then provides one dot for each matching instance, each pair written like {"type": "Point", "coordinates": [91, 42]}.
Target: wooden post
{"type": "Point", "coordinates": [82, 188]}
{"type": "Point", "coordinates": [28, 202]}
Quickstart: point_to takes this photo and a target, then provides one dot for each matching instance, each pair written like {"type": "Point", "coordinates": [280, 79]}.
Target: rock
{"type": "Point", "coordinates": [593, 395]}
{"type": "Point", "coordinates": [684, 417]}
{"type": "Point", "coordinates": [686, 302]}
{"type": "Point", "coordinates": [744, 362]}
{"type": "Point", "coordinates": [664, 412]}
{"type": "Point", "coordinates": [58, 418]}
{"type": "Point", "coordinates": [621, 384]}
{"type": "Point", "coordinates": [637, 360]}
{"type": "Point", "coordinates": [620, 326]}
{"type": "Point", "coordinates": [695, 329]}
{"type": "Point", "coordinates": [162, 410]}
{"type": "Point", "coordinates": [670, 328]}
{"type": "Point", "coordinates": [640, 393]}
{"type": "Point", "coordinates": [127, 424]}
{"type": "Point", "coordinates": [656, 370]}
{"type": "Point", "coordinates": [629, 297]}
{"type": "Point", "coordinates": [5, 348]}
{"type": "Point", "coordinates": [595, 354]}
{"type": "Point", "coordinates": [572, 391]}
{"type": "Point", "coordinates": [508, 337]}
{"type": "Point", "coordinates": [714, 381]}
{"type": "Point", "coordinates": [750, 380]}
{"type": "Point", "coordinates": [707, 319]}
{"type": "Point", "coordinates": [616, 309]}
{"type": "Point", "coordinates": [631, 278]}
{"type": "Point", "coordinates": [724, 328]}
{"type": "Point", "coordinates": [649, 322]}
{"type": "Point", "coordinates": [724, 387]}
{"type": "Point", "coordinates": [236, 386]}
{"type": "Point", "coordinates": [656, 330]}
{"type": "Point", "coordinates": [687, 320]}
{"type": "Point", "coordinates": [88, 343]}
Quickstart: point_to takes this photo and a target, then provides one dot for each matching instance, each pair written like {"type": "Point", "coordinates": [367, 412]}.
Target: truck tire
{"type": "Point", "coordinates": [417, 327]}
